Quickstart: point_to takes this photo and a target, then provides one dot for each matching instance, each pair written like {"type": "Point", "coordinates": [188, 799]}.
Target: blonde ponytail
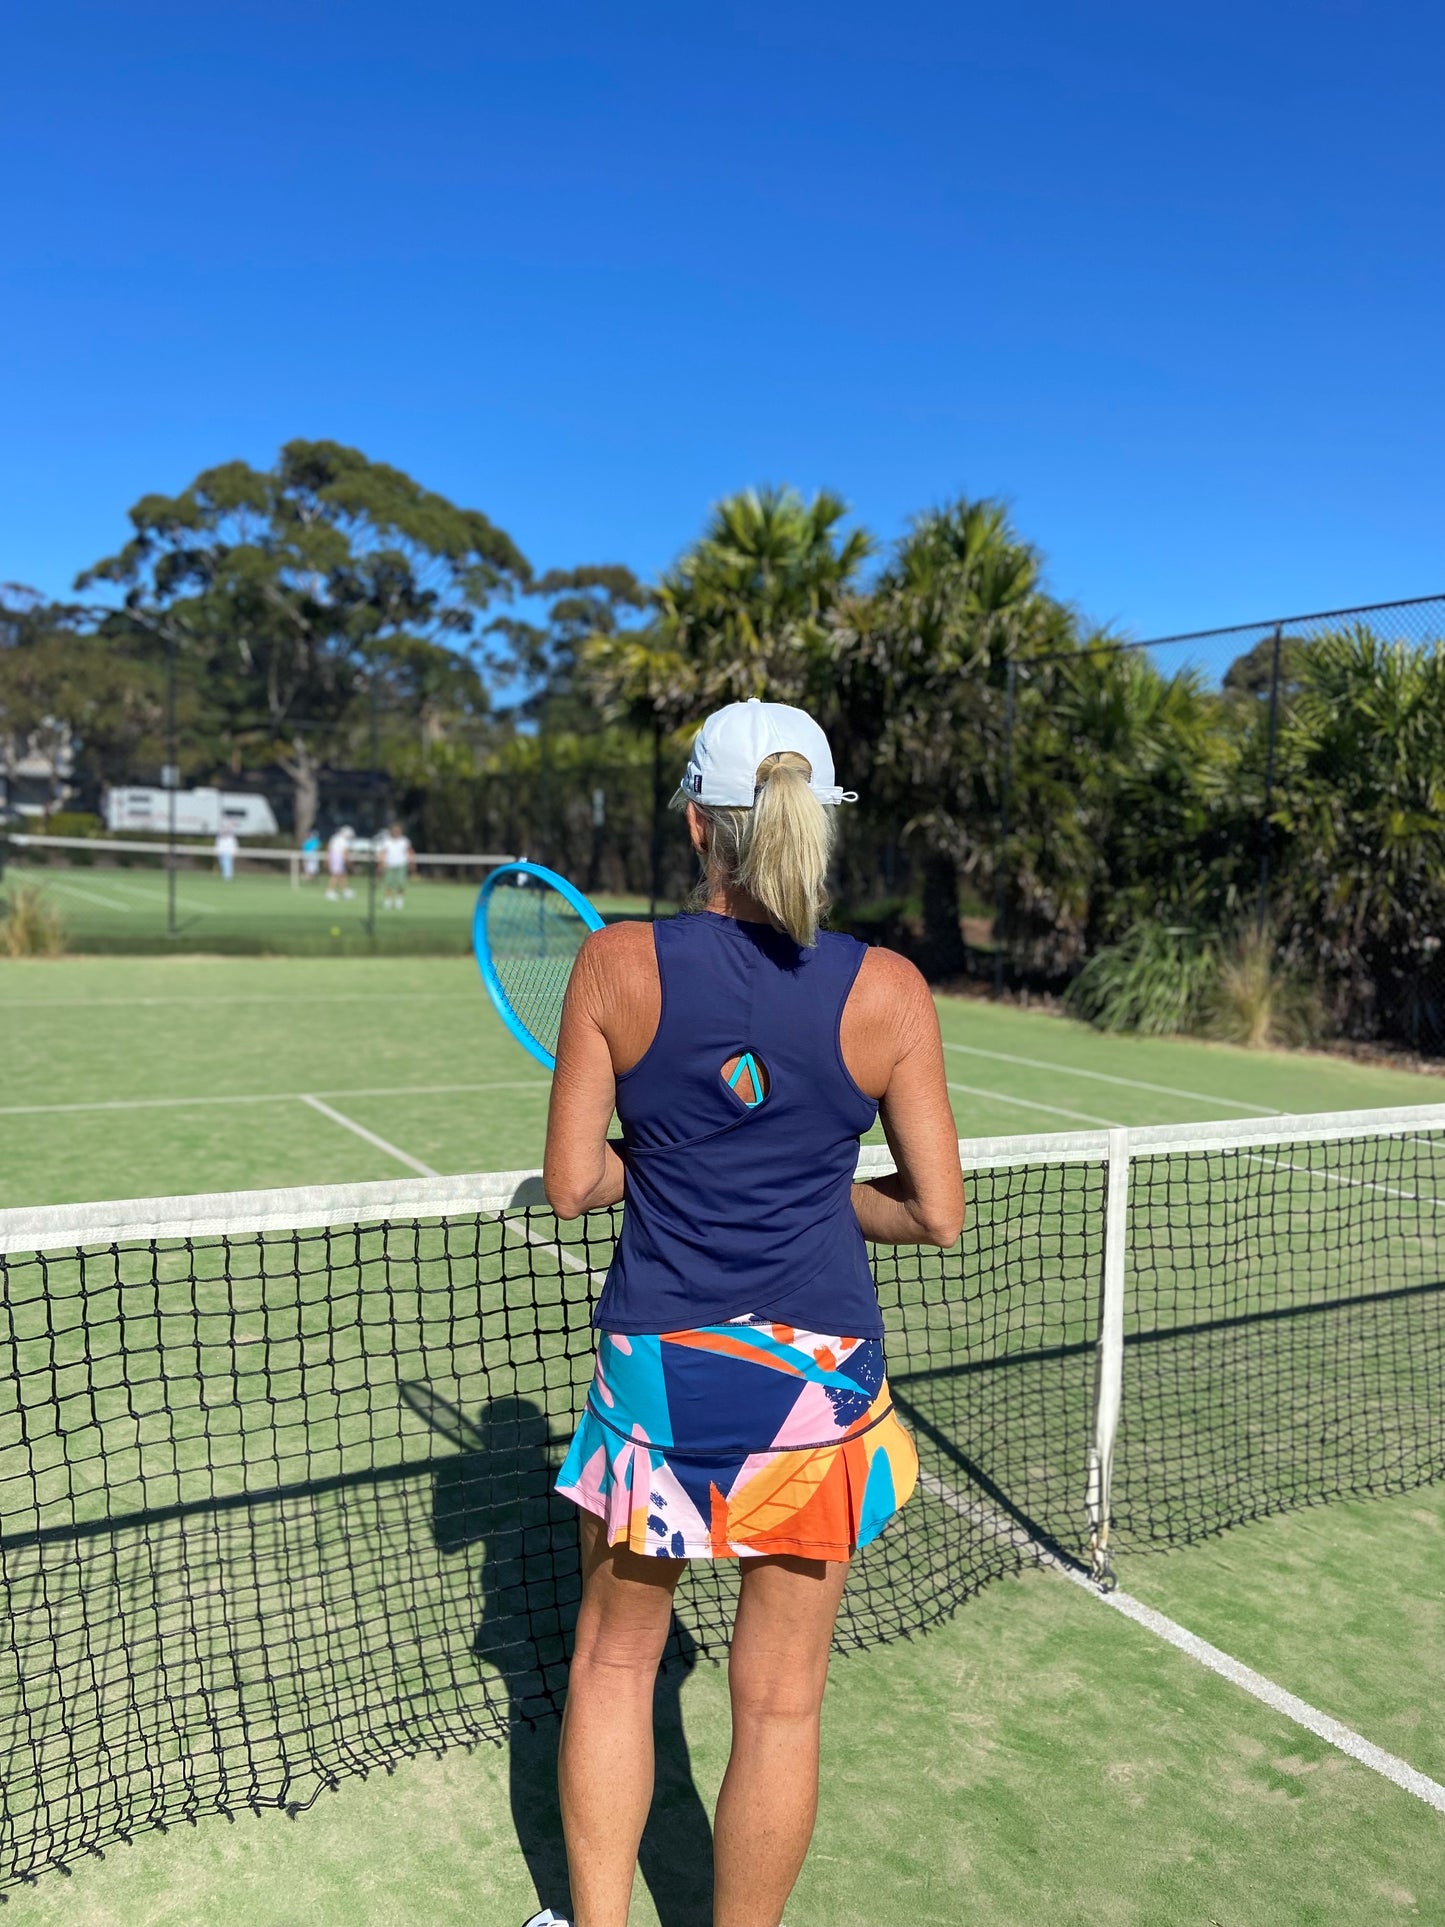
{"type": "Point", "coordinates": [778, 850]}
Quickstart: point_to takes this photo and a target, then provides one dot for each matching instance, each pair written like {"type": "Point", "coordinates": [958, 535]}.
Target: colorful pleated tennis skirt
{"type": "Point", "coordinates": [740, 1440]}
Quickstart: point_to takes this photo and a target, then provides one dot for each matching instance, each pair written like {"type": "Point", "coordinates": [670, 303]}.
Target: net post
{"type": "Point", "coordinates": [1108, 1358]}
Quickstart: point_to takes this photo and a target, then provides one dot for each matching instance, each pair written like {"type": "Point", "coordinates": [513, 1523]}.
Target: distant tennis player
{"type": "Point", "coordinates": [338, 858]}
{"type": "Point", "coordinates": [395, 861]}
{"type": "Point", "coordinates": [740, 1407]}
{"type": "Point", "coordinates": [227, 845]}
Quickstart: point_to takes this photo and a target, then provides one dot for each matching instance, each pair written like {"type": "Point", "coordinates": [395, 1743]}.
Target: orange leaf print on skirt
{"type": "Point", "coordinates": [721, 1547]}
{"type": "Point", "coordinates": [775, 1493]}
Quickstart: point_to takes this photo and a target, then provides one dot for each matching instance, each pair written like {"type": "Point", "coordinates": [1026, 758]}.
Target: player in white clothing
{"type": "Point", "coordinates": [338, 854]}
{"type": "Point", "coordinates": [227, 844]}
{"type": "Point", "coordinates": [396, 860]}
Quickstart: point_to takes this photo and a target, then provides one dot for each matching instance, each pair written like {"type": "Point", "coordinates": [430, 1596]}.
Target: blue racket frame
{"type": "Point", "coordinates": [482, 950]}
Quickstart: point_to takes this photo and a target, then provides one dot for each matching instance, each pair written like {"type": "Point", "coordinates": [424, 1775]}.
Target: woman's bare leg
{"type": "Point", "coordinates": [604, 1769]}
{"type": "Point", "coordinates": [776, 1673]}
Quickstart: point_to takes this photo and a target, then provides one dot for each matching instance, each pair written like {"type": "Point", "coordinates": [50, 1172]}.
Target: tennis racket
{"type": "Point", "coordinates": [528, 927]}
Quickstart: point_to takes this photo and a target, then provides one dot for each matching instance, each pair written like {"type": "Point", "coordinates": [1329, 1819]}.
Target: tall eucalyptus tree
{"type": "Point", "coordinates": [293, 591]}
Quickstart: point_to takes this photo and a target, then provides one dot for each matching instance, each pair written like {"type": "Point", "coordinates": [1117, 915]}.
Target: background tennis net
{"type": "Point", "coordinates": [275, 1468]}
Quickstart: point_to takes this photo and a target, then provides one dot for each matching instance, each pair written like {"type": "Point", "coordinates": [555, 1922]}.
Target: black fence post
{"type": "Point", "coordinates": [374, 784]}
{"type": "Point", "coordinates": [599, 830]}
{"type": "Point", "coordinates": [655, 883]}
{"type": "Point", "coordinates": [1000, 916]}
{"type": "Point", "coordinates": [173, 778]}
{"type": "Point", "coordinates": [549, 844]}
{"type": "Point", "coordinates": [1266, 828]}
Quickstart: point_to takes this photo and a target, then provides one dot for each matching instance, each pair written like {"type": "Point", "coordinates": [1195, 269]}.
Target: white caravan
{"type": "Point", "coordinates": [198, 812]}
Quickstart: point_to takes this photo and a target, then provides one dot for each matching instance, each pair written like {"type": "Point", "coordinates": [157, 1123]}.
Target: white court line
{"type": "Point", "coordinates": [1323, 1725]}
{"type": "Point", "coordinates": [1353, 1184]}
{"type": "Point", "coordinates": [350, 1124]}
{"type": "Point", "coordinates": [1029, 1104]}
{"type": "Point", "coordinates": [1332, 1731]}
{"type": "Point", "coordinates": [272, 1097]}
{"type": "Point", "coordinates": [91, 896]}
{"type": "Point", "coordinates": [512, 1227]}
{"type": "Point", "coordinates": [148, 897]}
{"type": "Point", "coordinates": [1105, 1077]}
{"type": "Point", "coordinates": [153, 899]}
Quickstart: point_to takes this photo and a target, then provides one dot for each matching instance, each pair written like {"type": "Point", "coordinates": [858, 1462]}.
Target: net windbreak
{"type": "Point", "coordinates": [275, 1468]}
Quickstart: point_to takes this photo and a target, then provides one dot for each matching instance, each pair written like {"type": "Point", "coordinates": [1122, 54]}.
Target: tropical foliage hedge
{"type": "Point", "coordinates": [1125, 828]}
{"type": "Point", "coordinates": [1128, 823]}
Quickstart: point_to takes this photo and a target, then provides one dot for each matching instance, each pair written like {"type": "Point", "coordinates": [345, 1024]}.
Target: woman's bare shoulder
{"type": "Point", "coordinates": [887, 982]}
{"type": "Point", "coordinates": [616, 978]}
{"type": "Point", "coordinates": [889, 1013]}
{"type": "Point", "coordinates": [617, 960]}
{"type": "Point", "coordinates": [618, 947]}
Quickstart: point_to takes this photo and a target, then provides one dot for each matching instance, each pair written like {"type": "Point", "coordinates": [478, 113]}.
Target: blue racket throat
{"type": "Point", "coordinates": [528, 926]}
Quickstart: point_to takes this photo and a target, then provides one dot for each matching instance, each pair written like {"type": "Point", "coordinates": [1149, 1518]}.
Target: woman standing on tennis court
{"type": "Point", "coordinates": [740, 1407]}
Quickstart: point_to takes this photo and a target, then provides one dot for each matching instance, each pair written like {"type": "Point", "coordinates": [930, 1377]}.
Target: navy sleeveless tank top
{"type": "Point", "coordinates": [732, 1208]}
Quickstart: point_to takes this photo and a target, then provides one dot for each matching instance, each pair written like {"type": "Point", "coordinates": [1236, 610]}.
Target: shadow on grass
{"type": "Point", "coordinates": [498, 1494]}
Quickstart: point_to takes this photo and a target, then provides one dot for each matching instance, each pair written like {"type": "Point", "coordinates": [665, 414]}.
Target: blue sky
{"type": "Point", "coordinates": [1168, 278]}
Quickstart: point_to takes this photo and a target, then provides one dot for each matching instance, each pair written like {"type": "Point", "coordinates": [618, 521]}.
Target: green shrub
{"type": "Point", "coordinates": [1157, 981]}
{"type": "Point", "coordinates": [72, 823]}
{"type": "Point", "coordinates": [30, 924]}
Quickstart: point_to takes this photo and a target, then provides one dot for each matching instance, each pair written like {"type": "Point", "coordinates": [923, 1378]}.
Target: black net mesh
{"type": "Point", "coordinates": [1285, 1331]}
{"type": "Point", "coordinates": [276, 1508]}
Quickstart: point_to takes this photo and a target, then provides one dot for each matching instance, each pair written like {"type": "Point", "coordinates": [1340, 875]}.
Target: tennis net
{"type": "Point", "coordinates": [275, 1468]}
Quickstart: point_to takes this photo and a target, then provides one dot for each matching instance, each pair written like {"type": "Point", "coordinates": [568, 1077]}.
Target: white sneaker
{"type": "Point", "coordinates": [546, 1919]}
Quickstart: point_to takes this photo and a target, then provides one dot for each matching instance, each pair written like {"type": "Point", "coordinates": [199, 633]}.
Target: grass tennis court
{"type": "Point", "coordinates": [1035, 1758]}
{"type": "Point", "coordinates": [138, 1077]}
{"type": "Point", "coordinates": [120, 907]}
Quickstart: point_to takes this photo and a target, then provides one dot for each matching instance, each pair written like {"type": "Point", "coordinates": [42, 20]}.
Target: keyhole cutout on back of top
{"type": "Point", "coordinates": [746, 1078]}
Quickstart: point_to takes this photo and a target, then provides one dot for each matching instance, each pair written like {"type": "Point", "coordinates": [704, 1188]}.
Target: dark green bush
{"type": "Point", "coordinates": [1159, 979]}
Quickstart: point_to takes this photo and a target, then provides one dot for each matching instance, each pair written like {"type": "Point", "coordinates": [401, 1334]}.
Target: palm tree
{"type": "Point", "coordinates": [747, 606]}
{"type": "Point", "coordinates": [922, 672]}
{"type": "Point", "coordinates": [1124, 807]}
{"type": "Point", "coordinates": [1360, 808]}
{"type": "Point", "coordinates": [744, 612]}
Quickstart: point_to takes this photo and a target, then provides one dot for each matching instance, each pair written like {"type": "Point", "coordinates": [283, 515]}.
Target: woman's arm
{"type": "Point", "coordinates": [580, 1170]}
{"type": "Point", "coordinates": [922, 1202]}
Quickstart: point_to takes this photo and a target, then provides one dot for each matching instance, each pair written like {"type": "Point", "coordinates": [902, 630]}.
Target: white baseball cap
{"type": "Point", "coordinates": [726, 752]}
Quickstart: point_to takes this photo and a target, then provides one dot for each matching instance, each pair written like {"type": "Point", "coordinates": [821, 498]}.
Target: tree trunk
{"type": "Point", "coordinates": [944, 953]}
{"type": "Point", "coordinates": [305, 773]}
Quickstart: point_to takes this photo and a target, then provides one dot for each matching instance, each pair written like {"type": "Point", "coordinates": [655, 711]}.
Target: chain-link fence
{"type": "Point", "coordinates": [1281, 780]}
